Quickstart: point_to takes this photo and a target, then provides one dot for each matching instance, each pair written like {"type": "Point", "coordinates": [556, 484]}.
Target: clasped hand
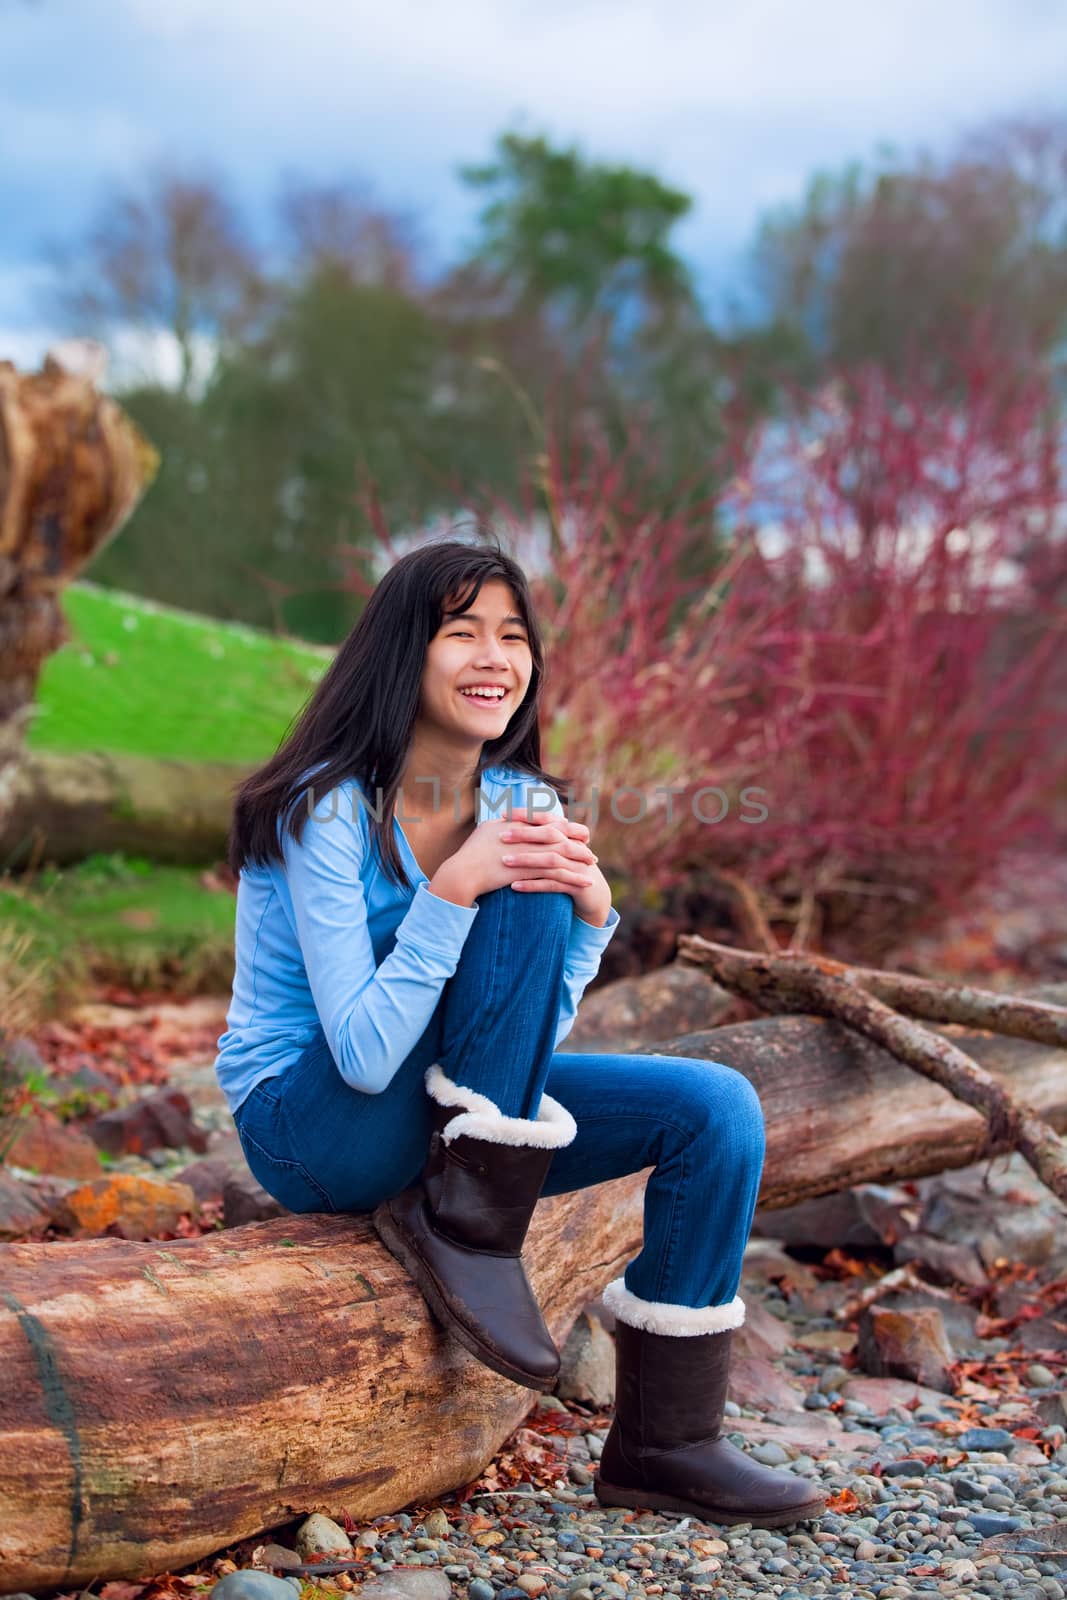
{"type": "Point", "coordinates": [541, 853]}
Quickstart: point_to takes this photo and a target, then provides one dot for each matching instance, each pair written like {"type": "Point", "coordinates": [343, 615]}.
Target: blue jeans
{"type": "Point", "coordinates": [316, 1144]}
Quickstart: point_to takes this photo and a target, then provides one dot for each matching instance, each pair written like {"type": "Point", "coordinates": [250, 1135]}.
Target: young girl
{"type": "Point", "coordinates": [417, 920]}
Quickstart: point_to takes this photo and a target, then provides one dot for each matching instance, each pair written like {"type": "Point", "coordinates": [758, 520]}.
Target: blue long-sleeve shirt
{"type": "Point", "coordinates": [327, 944]}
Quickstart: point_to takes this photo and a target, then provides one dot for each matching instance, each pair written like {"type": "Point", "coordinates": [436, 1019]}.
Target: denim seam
{"type": "Point", "coordinates": [297, 1166]}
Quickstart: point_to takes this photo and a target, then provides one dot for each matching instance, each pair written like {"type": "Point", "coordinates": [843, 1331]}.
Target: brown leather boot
{"type": "Point", "coordinates": [459, 1230]}
{"type": "Point", "coordinates": [664, 1450]}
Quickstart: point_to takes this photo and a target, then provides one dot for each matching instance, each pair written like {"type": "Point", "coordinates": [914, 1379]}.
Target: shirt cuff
{"type": "Point", "coordinates": [587, 940]}
{"type": "Point", "coordinates": [433, 923]}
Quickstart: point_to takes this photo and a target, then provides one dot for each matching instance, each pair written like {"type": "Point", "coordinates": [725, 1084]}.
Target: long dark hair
{"type": "Point", "coordinates": [361, 716]}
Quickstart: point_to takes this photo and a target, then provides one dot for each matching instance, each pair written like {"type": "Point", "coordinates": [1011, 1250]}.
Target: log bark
{"type": "Point", "coordinates": [161, 1400]}
{"type": "Point", "coordinates": [61, 808]}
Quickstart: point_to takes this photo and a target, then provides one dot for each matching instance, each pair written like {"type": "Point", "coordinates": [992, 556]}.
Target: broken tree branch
{"type": "Point", "coordinates": [791, 982]}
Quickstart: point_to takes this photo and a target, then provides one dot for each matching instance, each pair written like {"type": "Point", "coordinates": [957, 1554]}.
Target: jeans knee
{"type": "Point", "coordinates": [545, 907]}
{"type": "Point", "coordinates": [734, 1113]}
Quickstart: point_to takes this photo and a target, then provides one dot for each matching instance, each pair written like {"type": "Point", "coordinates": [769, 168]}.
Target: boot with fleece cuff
{"type": "Point", "coordinates": [459, 1229]}
{"type": "Point", "coordinates": [664, 1450]}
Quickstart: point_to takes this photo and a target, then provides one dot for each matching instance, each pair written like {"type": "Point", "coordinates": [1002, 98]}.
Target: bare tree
{"type": "Point", "coordinates": [903, 257]}
{"type": "Point", "coordinates": [173, 255]}
{"type": "Point", "coordinates": [340, 227]}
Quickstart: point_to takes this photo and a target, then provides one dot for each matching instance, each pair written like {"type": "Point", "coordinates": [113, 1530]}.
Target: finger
{"type": "Point", "coordinates": [536, 885]}
{"type": "Point", "coordinates": [545, 885]}
{"type": "Point", "coordinates": [575, 829]}
{"type": "Point", "coordinates": [537, 819]}
{"type": "Point", "coordinates": [516, 833]}
{"type": "Point", "coordinates": [563, 876]}
{"type": "Point", "coordinates": [545, 858]}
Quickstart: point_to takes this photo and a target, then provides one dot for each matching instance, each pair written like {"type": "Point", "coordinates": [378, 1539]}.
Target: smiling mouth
{"type": "Point", "coordinates": [484, 700]}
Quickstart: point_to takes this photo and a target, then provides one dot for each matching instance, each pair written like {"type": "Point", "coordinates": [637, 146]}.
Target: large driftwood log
{"type": "Point", "coordinates": [839, 1109]}
{"type": "Point", "coordinates": [161, 1400]}
{"type": "Point", "coordinates": [62, 807]}
{"type": "Point", "coordinates": [834, 989]}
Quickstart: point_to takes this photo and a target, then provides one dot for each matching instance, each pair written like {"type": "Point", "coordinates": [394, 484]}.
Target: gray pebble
{"type": "Point", "coordinates": [769, 1453]}
{"type": "Point", "coordinates": [989, 1526]}
{"type": "Point", "coordinates": [984, 1439]}
{"type": "Point", "coordinates": [967, 1489]}
{"type": "Point", "coordinates": [250, 1584]}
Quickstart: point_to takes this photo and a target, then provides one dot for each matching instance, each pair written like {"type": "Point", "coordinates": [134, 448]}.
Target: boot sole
{"type": "Point", "coordinates": [648, 1499]}
{"type": "Point", "coordinates": [398, 1244]}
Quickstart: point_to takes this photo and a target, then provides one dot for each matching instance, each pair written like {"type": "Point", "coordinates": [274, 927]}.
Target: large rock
{"type": "Point", "coordinates": [587, 1364]}
{"type": "Point", "coordinates": [22, 1210]}
{"type": "Point", "coordinates": [894, 1343]}
{"type": "Point", "coordinates": [162, 1120]}
{"type": "Point", "coordinates": [867, 1216]}
{"type": "Point", "coordinates": [43, 1143]}
{"type": "Point", "coordinates": [126, 1206]}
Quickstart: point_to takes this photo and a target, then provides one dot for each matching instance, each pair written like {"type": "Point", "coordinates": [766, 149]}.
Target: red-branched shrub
{"type": "Point", "coordinates": [879, 698]}
{"type": "Point", "coordinates": [852, 654]}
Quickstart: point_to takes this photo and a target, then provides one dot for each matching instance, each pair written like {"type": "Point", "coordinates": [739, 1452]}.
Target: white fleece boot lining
{"type": "Point", "coordinates": [480, 1118]}
{"type": "Point", "coordinates": [661, 1316]}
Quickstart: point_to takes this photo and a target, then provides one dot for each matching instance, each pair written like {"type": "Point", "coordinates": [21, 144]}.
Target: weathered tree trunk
{"type": "Point", "coordinates": [61, 808]}
{"type": "Point", "coordinates": [161, 1400]}
{"type": "Point", "coordinates": [72, 468]}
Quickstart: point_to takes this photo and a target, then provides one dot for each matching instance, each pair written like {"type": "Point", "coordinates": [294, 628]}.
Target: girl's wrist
{"type": "Point", "coordinates": [593, 905]}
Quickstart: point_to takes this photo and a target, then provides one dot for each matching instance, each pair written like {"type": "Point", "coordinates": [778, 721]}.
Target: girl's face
{"type": "Point", "coordinates": [486, 647]}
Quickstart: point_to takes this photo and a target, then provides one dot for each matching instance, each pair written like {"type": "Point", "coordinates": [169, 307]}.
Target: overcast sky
{"type": "Point", "coordinates": [737, 102]}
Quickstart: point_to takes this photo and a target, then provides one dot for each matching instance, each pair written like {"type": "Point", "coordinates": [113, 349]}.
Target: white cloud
{"type": "Point", "coordinates": [658, 58]}
{"type": "Point", "coordinates": [134, 356]}
{"type": "Point", "coordinates": [39, 138]}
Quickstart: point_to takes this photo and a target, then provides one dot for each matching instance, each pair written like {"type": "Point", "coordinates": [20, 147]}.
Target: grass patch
{"type": "Point", "coordinates": [120, 919]}
{"type": "Point", "coordinates": [148, 679]}
{"type": "Point", "coordinates": [142, 678]}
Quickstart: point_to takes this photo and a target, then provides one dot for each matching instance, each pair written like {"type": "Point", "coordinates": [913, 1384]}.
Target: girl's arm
{"type": "Point", "coordinates": [372, 1016]}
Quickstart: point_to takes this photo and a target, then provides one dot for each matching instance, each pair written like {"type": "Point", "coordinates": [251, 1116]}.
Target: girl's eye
{"type": "Point", "coordinates": [465, 633]}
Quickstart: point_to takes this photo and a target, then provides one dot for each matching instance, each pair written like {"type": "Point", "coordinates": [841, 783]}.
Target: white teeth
{"type": "Point", "coordinates": [484, 694]}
